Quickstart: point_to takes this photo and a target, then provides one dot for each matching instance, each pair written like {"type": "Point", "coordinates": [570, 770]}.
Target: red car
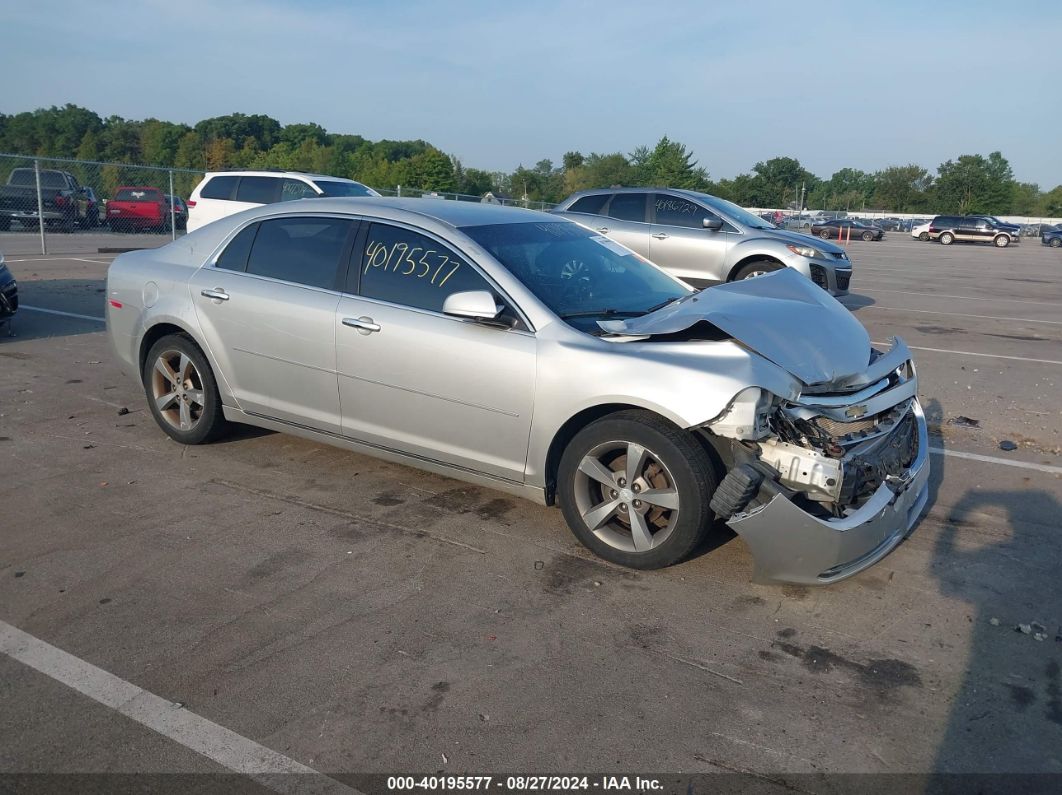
{"type": "Point", "coordinates": [138, 208]}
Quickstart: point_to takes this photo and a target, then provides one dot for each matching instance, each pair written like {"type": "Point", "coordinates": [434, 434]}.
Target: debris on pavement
{"type": "Point", "coordinates": [123, 411]}
{"type": "Point", "coordinates": [965, 422]}
{"type": "Point", "coordinates": [1008, 445]}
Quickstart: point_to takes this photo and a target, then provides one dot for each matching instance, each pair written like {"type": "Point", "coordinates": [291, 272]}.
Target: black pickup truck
{"type": "Point", "coordinates": [65, 203]}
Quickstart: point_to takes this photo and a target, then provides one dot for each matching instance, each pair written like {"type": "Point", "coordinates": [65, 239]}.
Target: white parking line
{"type": "Point", "coordinates": [233, 751]}
{"type": "Point", "coordinates": [960, 297]}
{"type": "Point", "coordinates": [971, 353]}
{"type": "Point", "coordinates": [63, 314]}
{"type": "Point", "coordinates": [990, 459]}
{"type": "Point", "coordinates": [960, 314]}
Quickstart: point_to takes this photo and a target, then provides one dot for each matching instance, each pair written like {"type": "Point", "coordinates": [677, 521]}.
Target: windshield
{"type": "Point", "coordinates": [580, 275]}
{"type": "Point", "coordinates": [27, 176]}
{"type": "Point", "coordinates": [739, 214]}
{"type": "Point", "coordinates": [336, 188]}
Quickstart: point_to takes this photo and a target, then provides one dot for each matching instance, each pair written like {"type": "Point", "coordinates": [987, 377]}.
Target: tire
{"type": "Point", "coordinates": [947, 238]}
{"type": "Point", "coordinates": [192, 414]}
{"type": "Point", "coordinates": [1001, 241]}
{"type": "Point", "coordinates": [868, 236]}
{"type": "Point", "coordinates": [825, 234]}
{"type": "Point", "coordinates": [672, 464]}
{"type": "Point", "coordinates": [923, 236]}
{"type": "Point", "coordinates": [756, 268]}
{"type": "Point", "coordinates": [1055, 242]}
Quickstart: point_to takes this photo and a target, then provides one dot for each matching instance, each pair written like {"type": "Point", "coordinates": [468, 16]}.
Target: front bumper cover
{"type": "Point", "coordinates": [790, 545]}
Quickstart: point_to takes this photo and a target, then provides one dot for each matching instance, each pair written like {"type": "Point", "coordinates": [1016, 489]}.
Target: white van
{"type": "Point", "coordinates": [223, 193]}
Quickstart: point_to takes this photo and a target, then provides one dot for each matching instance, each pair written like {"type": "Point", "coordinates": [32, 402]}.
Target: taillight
{"type": "Point", "coordinates": [60, 200]}
{"type": "Point", "coordinates": [190, 204]}
{"type": "Point", "coordinates": [115, 304]}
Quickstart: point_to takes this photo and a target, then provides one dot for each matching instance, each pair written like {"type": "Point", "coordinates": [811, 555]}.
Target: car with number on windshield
{"type": "Point", "coordinates": [702, 239]}
{"type": "Point", "coordinates": [522, 352]}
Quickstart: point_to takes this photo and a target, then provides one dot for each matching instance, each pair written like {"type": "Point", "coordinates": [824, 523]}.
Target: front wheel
{"type": "Point", "coordinates": [1055, 242]}
{"type": "Point", "coordinates": [182, 392]}
{"type": "Point", "coordinates": [868, 236]}
{"type": "Point", "coordinates": [1001, 241]}
{"type": "Point", "coordinates": [923, 236]}
{"type": "Point", "coordinates": [757, 268]}
{"type": "Point", "coordinates": [635, 489]}
{"type": "Point", "coordinates": [947, 239]}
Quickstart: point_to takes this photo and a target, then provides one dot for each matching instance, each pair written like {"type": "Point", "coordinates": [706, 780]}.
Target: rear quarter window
{"type": "Point", "coordinates": [592, 205]}
{"type": "Point", "coordinates": [219, 188]}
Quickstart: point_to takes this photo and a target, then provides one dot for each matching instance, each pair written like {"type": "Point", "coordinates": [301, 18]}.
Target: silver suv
{"type": "Point", "coordinates": [703, 239]}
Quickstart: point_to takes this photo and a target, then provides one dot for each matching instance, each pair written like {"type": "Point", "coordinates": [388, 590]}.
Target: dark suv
{"type": "Point", "coordinates": [950, 229]}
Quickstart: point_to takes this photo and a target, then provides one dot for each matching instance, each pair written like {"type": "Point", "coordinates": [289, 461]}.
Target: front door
{"type": "Point", "coordinates": [679, 243]}
{"type": "Point", "coordinates": [420, 382]}
{"type": "Point", "coordinates": [267, 308]}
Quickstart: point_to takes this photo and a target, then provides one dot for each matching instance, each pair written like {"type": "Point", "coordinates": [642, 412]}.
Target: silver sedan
{"type": "Point", "coordinates": [524, 352]}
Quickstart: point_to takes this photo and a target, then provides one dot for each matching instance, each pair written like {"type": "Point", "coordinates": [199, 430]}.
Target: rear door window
{"type": "Point", "coordinates": [592, 205]}
{"type": "Point", "coordinates": [219, 188]}
{"type": "Point", "coordinates": [234, 257]}
{"type": "Point", "coordinates": [258, 190]}
{"type": "Point", "coordinates": [301, 250]}
{"type": "Point", "coordinates": [628, 207]}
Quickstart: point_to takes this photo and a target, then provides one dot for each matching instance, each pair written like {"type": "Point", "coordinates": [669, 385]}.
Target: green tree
{"type": "Point", "coordinates": [600, 171]}
{"type": "Point", "coordinates": [432, 170]}
{"type": "Point", "coordinates": [847, 189]}
{"type": "Point", "coordinates": [1050, 204]}
{"type": "Point", "coordinates": [975, 184]}
{"type": "Point", "coordinates": [669, 165]}
{"type": "Point", "coordinates": [902, 188]}
{"type": "Point", "coordinates": [777, 182]}
{"type": "Point", "coordinates": [1026, 199]}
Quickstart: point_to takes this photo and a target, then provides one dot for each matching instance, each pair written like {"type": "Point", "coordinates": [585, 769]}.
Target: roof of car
{"type": "Point", "coordinates": [452, 213]}
{"type": "Point", "coordinates": [267, 172]}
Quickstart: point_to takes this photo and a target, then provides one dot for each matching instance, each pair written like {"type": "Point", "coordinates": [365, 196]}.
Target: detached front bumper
{"type": "Point", "coordinates": [790, 545]}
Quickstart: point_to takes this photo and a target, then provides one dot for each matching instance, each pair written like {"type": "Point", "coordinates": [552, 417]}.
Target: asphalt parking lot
{"type": "Point", "coordinates": [353, 616]}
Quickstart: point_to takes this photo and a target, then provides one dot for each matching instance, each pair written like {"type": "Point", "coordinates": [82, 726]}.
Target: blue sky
{"type": "Point", "coordinates": [499, 83]}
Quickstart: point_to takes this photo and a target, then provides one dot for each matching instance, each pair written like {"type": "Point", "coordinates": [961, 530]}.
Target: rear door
{"type": "Point", "coordinates": [627, 221]}
{"type": "Point", "coordinates": [679, 242]}
{"type": "Point", "coordinates": [267, 308]}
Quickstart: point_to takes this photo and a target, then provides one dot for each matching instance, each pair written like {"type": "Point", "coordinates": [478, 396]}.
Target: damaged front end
{"type": "Point", "coordinates": [825, 485]}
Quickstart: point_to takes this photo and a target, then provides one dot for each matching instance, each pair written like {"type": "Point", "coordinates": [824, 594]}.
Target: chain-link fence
{"type": "Point", "coordinates": [55, 195]}
{"type": "Point", "coordinates": [43, 196]}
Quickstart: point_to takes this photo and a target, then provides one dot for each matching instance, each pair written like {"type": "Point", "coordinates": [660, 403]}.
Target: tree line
{"type": "Point", "coordinates": [971, 183]}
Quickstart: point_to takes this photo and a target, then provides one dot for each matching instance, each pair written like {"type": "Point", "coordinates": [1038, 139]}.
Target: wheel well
{"type": "Point", "coordinates": [154, 334]}
{"type": "Point", "coordinates": [566, 433]}
{"type": "Point", "coordinates": [752, 258]}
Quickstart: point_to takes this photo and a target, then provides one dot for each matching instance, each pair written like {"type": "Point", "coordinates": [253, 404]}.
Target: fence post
{"type": "Point", "coordinates": [399, 191]}
{"type": "Point", "coordinates": [40, 206]}
{"type": "Point", "coordinates": [173, 210]}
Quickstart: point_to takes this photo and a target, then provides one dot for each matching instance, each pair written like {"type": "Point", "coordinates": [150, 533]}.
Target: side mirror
{"type": "Point", "coordinates": [713, 224]}
{"type": "Point", "coordinates": [472, 304]}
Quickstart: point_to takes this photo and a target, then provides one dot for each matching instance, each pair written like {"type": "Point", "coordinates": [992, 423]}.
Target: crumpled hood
{"type": "Point", "coordinates": [782, 316]}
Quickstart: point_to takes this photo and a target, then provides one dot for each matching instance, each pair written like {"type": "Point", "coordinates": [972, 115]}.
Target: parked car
{"type": "Point", "coordinates": [180, 210]}
{"type": "Point", "coordinates": [8, 295]}
{"type": "Point", "coordinates": [1052, 237]}
{"type": "Point", "coordinates": [702, 239]}
{"type": "Point", "coordinates": [523, 352]}
{"type": "Point", "coordinates": [62, 200]}
{"type": "Point", "coordinates": [921, 232]}
{"type": "Point", "coordinates": [948, 229]}
{"type": "Point", "coordinates": [93, 208]}
{"type": "Point", "coordinates": [799, 223]}
{"type": "Point", "coordinates": [222, 193]}
{"type": "Point", "coordinates": [839, 229]}
{"type": "Point", "coordinates": [135, 207]}
{"type": "Point", "coordinates": [1014, 230]}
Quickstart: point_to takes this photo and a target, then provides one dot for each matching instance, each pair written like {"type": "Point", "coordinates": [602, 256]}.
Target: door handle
{"type": "Point", "coordinates": [660, 235]}
{"type": "Point", "coordinates": [602, 229]}
{"type": "Point", "coordinates": [217, 294]}
{"type": "Point", "coordinates": [364, 325]}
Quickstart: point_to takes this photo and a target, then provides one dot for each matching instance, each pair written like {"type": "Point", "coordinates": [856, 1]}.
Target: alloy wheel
{"type": "Point", "coordinates": [626, 496]}
{"type": "Point", "coordinates": [177, 389]}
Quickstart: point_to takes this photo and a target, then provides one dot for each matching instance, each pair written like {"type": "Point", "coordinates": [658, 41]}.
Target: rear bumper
{"type": "Point", "coordinates": [790, 545]}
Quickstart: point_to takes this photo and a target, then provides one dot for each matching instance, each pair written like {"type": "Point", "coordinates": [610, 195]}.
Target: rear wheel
{"type": "Point", "coordinates": [758, 268]}
{"type": "Point", "coordinates": [635, 489]}
{"type": "Point", "coordinates": [947, 238]}
{"type": "Point", "coordinates": [182, 392]}
{"type": "Point", "coordinates": [825, 234]}
{"type": "Point", "coordinates": [1001, 241]}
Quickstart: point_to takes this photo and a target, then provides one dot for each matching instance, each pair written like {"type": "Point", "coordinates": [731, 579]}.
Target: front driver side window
{"type": "Point", "coordinates": [675, 211]}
